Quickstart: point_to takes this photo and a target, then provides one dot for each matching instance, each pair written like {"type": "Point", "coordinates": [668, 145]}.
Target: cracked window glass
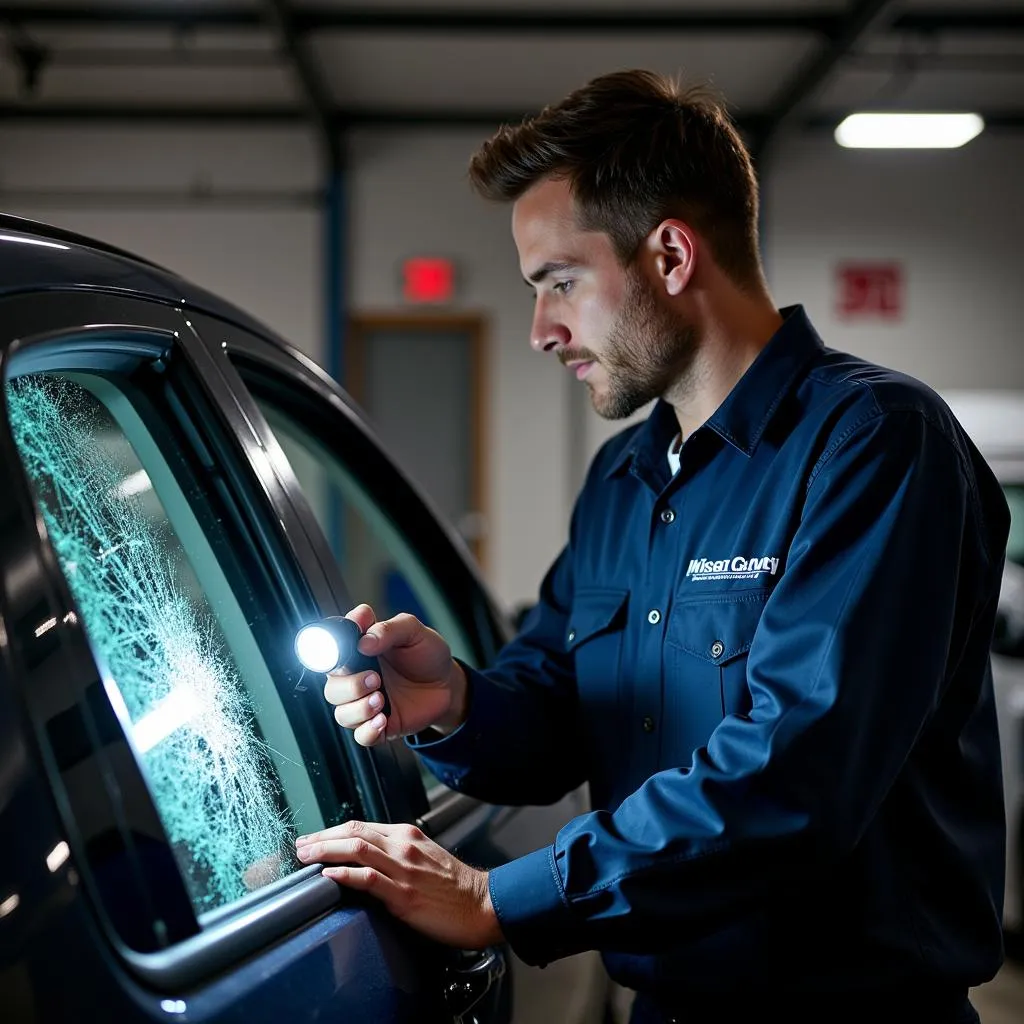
{"type": "Point", "coordinates": [179, 657]}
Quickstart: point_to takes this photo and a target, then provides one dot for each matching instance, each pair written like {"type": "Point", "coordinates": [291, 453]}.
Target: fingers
{"type": "Point", "coordinates": [343, 689]}
{"type": "Point", "coordinates": [366, 880]}
{"type": "Point", "coordinates": [373, 831]}
{"type": "Point", "coordinates": [370, 733]}
{"type": "Point", "coordinates": [377, 845]}
{"type": "Point", "coordinates": [344, 830]}
{"type": "Point", "coordinates": [362, 615]}
{"type": "Point", "coordinates": [403, 630]}
{"type": "Point", "coordinates": [353, 850]}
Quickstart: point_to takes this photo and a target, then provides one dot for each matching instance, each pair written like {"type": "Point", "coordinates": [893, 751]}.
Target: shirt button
{"type": "Point", "coordinates": [717, 649]}
{"type": "Point", "coordinates": [648, 724]}
{"type": "Point", "coordinates": [668, 516]}
{"type": "Point", "coordinates": [572, 635]}
{"type": "Point", "coordinates": [654, 616]}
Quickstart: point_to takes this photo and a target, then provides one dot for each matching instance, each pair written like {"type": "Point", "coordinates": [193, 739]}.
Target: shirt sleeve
{"type": "Point", "coordinates": [521, 742]}
{"type": "Point", "coordinates": [886, 576]}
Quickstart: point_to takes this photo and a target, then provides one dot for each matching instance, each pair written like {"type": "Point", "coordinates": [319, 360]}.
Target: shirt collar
{"type": "Point", "coordinates": [748, 409]}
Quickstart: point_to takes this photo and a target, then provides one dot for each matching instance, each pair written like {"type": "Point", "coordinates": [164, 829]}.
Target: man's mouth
{"type": "Point", "coordinates": [581, 369]}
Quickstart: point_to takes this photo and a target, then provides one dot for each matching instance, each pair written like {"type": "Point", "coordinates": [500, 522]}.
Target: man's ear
{"type": "Point", "coordinates": [673, 244]}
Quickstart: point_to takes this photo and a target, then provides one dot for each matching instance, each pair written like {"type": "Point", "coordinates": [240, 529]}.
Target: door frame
{"type": "Point", "coordinates": [474, 325]}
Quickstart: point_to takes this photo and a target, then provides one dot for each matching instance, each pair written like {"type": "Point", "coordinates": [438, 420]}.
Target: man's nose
{"type": "Point", "coordinates": [546, 333]}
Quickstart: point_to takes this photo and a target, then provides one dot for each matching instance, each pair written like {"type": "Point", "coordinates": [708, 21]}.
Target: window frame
{"type": "Point", "coordinates": [181, 952]}
{"type": "Point", "coordinates": [287, 378]}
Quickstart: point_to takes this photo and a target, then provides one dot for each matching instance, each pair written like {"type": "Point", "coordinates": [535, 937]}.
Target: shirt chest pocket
{"type": "Point", "coordinates": [595, 639]}
{"type": "Point", "coordinates": [706, 645]}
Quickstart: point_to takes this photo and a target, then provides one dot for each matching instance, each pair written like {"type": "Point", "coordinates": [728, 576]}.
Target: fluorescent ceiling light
{"type": "Point", "coordinates": [908, 131]}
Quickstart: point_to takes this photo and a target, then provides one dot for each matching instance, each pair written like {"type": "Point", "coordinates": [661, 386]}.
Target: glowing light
{"type": "Point", "coordinates": [32, 241]}
{"type": "Point", "coordinates": [173, 1006]}
{"type": "Point", "coordinates": [317, 649]}
{"type": "Point", "coordinates": [908, 131]}
{"type": "Point", "coordinates": [57, 856]}
{"type": "Point", "coordinates": [9, 905]}
{"type": "Point", "coordinates": [137, 483]}
{"type": "Point", "coordinates": [45, 627]}
{"type": "Point", "coordinates": [178, 708]}
{"type": "Point", "coordinates": [325, 645]}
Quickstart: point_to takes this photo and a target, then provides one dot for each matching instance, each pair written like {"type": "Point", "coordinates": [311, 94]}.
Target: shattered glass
{"type": "Point", "coordinates": [194, 727]}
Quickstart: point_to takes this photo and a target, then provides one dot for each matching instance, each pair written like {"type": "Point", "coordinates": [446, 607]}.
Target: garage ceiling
{"type": "Point", "coordinates": [776, 62]}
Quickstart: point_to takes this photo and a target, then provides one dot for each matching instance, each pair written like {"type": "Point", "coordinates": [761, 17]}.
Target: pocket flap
{"type": "Point", "coordinates": [716, 629]}
{"type": "Point", "coordinates": [593, 612]}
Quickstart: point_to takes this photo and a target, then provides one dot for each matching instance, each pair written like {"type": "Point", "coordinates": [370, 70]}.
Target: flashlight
{"type": "Point", "coordinates": [327, 644]}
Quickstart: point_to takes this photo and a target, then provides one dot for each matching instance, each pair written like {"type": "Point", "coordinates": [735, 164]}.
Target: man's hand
{"type": "Point", "coordinates": [425, 686]}
{"type": "Point", "coordinates": [419, 882]}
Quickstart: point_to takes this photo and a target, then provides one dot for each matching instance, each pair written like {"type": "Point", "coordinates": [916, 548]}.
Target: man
{"type": "Point", "coordinates": [765, 645]}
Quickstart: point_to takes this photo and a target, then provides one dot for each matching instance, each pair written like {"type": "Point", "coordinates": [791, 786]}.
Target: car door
{"type": "Point", "coordinates": [161, 750]}
{"type": "Point", "coordinates": [396, 553]}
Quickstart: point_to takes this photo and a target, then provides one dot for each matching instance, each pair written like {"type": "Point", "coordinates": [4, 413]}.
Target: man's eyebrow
{"type": "Point", "coordinates": [551, 267]}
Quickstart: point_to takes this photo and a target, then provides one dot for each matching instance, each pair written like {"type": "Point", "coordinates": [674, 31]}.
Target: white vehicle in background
{"type": "Point", "coordinates": [995, 422]}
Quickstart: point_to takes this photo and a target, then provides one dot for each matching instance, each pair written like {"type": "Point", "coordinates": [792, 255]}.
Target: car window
{"type": "Point", "coordinates": [1015, 545]}
{"type": "Point", "coordinates": [185, 652]}
{"type": "Point", "coordinates": [1009, 632]}
{"type": "Point", "coordinates": [380, 565]}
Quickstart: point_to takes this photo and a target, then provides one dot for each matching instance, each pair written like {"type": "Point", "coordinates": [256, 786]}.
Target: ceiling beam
{"type": "Point", "coordinates": [341, 117]}
{"type": "Point", "coordinates": [862, 18]}
{"type": "Point", "coordinates": [156, 115]}
{"type": "Point", "coordinates": [634, 22]}
{"type": "Point", "coordinates": [311, 17]}
{"type": "Point", "coordinates": [319, 103]}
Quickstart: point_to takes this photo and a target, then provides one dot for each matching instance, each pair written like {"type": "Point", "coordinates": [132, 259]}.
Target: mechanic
{"type": "Point", "coordinates": [765, 645]}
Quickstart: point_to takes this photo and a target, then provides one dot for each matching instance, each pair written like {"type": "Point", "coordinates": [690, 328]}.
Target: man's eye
{"type": "Point", "coordinates": [562, 287]}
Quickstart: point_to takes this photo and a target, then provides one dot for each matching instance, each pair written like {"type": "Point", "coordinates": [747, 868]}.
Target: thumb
{"type": "Point", "coordinates": [404, 630]}
{"type": "Point", "coordinates": [362, 615]}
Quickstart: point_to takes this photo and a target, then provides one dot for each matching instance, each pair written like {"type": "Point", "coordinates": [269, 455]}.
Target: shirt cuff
{"type": "Point", "coordinates": [451, 757]}
{"type": "Point", "coordinates": [532, 910]}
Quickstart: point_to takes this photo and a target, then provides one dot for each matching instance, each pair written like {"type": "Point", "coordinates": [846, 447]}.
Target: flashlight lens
{"type": "Point", "coordinates": [317, 648]}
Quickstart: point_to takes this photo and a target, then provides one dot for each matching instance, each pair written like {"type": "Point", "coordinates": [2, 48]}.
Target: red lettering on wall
{"type": "Point", "coordinates": [869, 290]}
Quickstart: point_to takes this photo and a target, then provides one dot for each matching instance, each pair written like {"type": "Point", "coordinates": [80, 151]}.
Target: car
{"type": "Point", "coordinates": [994, 420]}
{"type": "Point", "coordinates": [183, 491]}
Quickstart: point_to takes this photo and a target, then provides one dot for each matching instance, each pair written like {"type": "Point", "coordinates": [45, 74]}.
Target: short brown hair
{"type": "Point", "coordinates": [636, 148]}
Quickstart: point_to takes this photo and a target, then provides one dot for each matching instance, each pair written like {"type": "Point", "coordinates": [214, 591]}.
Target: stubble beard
{"type": "Point", "coordinates": [649, 351]}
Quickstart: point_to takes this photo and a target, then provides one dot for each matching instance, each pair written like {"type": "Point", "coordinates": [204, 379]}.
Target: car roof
{"type": "Point", "coordinates": [29, 262]}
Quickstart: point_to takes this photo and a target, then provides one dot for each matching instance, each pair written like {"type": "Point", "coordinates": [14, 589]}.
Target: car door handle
{"type": "Point", "coordinates": [472, 986]}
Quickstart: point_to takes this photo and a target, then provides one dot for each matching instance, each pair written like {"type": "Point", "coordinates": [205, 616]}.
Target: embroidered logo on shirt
{"type": "Point", "coordinates": [736, 568]}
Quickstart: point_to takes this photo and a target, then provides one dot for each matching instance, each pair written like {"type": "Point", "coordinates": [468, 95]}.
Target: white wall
{"type": "Point", "coordinates": [254, 239]}
{"type": "Point", "coordinates": [953, 220]}
{"type": "Point", "coordinates": [410, 196]}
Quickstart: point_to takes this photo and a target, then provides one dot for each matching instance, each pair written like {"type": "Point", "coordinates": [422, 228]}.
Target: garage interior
{"type": "Point", "coordinates": [307, 161]}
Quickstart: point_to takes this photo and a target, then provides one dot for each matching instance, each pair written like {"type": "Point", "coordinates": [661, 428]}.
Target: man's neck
{"type": "Point", "coordinates": [728, 346]}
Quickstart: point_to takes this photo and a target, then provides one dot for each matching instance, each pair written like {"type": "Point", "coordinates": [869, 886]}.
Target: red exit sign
{"type": "Point", "coordinates": [869, 290]}
{"type": "Point", "coordinates": [428, 279]}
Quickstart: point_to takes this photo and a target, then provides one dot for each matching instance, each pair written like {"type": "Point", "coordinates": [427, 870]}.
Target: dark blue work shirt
{"type": "Point", "coordinates": [773, 671]}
